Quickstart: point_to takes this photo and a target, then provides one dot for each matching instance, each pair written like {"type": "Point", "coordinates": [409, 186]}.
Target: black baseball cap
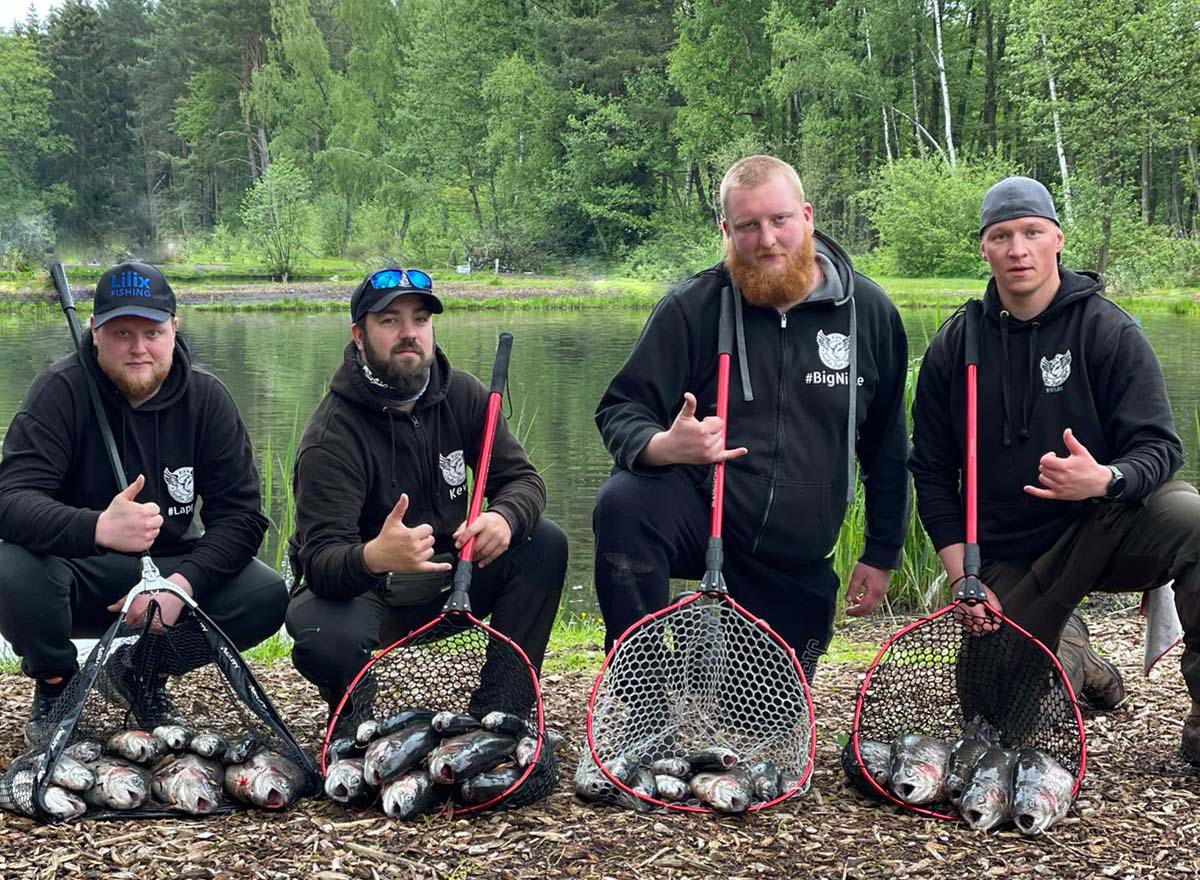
{"type": "Point", "coordinates": [136, 289]}
{"type": "Point", "coordinates": [1016, 197]}
{"type": "Point", "coordinates": [376, 292]}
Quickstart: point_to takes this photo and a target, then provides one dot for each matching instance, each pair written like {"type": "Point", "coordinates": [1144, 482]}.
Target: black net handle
{"type": "Point", "coordinates": [68, 306]}
{"type": "Point", "coordinates": [460, 599]}
{"type": "Point", "coordinates": [714, 557]}
{"type": "Point", "coordinates": [971, 588]}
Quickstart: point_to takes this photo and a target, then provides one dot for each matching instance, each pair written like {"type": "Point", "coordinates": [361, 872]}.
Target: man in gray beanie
{"type": "Point", "coordinates": [1078, 445]}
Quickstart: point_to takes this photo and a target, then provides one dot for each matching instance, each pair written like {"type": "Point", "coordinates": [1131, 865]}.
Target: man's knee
{"type": "Point", "coordinates": [550, 546]}
{"type": "Point", "coordinates": [329, 644]}
{"type": "Point", "coordinates": [22, 573]}
{"type": "Point", "coordinates": [621, 503]}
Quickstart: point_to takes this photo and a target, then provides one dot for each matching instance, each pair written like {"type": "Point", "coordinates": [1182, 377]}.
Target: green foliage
{"type": "Point", "coordinates": [676, 251]}
{"type": "Point", "coordinates": [26, 237]}
{"type": "Point", "coordinates": [277, 216]}
{"type": "Point", "coordinates": [927, 214]}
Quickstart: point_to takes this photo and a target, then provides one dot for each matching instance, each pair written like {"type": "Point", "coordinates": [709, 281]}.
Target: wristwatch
{"type": "Point", "coordinates": [1116, 486]}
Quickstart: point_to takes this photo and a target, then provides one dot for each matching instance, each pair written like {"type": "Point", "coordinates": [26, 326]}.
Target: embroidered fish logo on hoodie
{"type": "Point", "coordinates": [1055, 372]}
{"type": "Point", "coordinates": [834, 349]}
{"type": "Point", "coordinates": [454, 469]}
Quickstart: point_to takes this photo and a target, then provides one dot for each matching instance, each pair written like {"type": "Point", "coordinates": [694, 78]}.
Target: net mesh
{"type": "Point", "coordinates": [935, 676]}
{"type": "Point", "coordinates": [702, 673]}
{"type": "Point", "coordinates": [189, 674]}
{"type": "Point", "coordinates": [461, 665]}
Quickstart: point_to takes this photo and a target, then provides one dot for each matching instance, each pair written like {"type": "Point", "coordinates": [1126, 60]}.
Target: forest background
{"type": "Point", "coordinates": [590, 136]}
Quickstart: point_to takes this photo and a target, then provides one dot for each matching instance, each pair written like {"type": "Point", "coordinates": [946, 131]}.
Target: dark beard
{"type": "Point", "coordinates": [405, 379]}
{"type": "Point", "coordinates": [770, 289]}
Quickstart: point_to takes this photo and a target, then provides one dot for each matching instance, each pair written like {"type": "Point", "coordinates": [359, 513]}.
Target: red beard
{"type": "Point", "coordinates": [773, 287]}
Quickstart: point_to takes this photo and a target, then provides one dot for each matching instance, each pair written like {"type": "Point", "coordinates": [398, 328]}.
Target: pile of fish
{"type": "Point", "coordinates": [415, 761]}
{"type": "Point", "coordinates": [713, 778]}
{"type": "Point", "coordinates": [171, 768]}
{"type": "Point", "coordinates": [986, 783]}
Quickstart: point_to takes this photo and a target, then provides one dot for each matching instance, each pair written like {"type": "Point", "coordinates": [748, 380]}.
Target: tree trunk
{"type": "Point", "coordinates": [916, 117]}
{"type": "Point", "coordinates": [989, 78]}
{"type": "Point", "coordinates": [941, 66]}
{"type": "Point", "coordinates": [1195, 166]}
{"type": "Point", "coordinates": [960, 116]}
{"type": "Point", "coordinates": [1058, 141]}
{"type": "Point", "coordinates": [1176, 218]}
{"type": "Point", "coordinates": [151, 214]}
{"type": "Point", "coordinates": [1147, 208]}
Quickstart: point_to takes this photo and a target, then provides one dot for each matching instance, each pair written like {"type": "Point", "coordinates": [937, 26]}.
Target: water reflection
{"type": "Point", "coordinates": [277, 366]}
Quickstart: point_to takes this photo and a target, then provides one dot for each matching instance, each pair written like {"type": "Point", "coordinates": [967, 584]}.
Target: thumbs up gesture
{"type": "Point", "coordinates": [1073, 478]}
{"type": "Point", "coordinates": [127, 526]}
{"type": "Point", "coordinates": [400, 548]}
{"type": "Point", "coordinates": [689, 440]}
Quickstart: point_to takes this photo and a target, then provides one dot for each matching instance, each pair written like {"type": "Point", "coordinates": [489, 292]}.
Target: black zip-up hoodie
{"type": "Point", "coordinates": [357, 456]}
{"type": "Point", "coordinates": [793, 379]}
{"type": "Point", "coordinates": [1081, 364]}
{"type": "Point", "coordinates": [188, 440]}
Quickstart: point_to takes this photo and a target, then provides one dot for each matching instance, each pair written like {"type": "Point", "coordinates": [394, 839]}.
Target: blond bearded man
{"type": "Point", "coordinates": [817, 382]}
{"type": "Point", "coordinates": [70, 540]}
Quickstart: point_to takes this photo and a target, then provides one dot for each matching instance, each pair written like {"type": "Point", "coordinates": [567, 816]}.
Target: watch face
{"type": "Point", "coordinates": [1116, 485]}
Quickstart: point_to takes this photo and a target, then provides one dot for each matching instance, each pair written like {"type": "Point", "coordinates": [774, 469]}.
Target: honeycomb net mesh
{"type": "Point", "coordinates": [938, 675]}
{"type": "Point", "coordinates": [459, 665]}
{"type": "Point", "coordinates": [132, 679]}
{"type": "Point", "coordinates": [703, 673]}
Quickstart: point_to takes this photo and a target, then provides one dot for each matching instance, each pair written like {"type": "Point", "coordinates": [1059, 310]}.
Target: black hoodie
{"type": "Point", "coordinates": [358, 455]}
{"type": "Point", "coordinates": [188, 440]}
{"type": "Point", "coordinates": [1081, 364]}
{"type": "Point", "coordinates": [792, 381]}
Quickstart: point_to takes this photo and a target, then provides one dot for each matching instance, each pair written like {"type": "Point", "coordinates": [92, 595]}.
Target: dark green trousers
{"type": "Point", "coordinates": [1116, 548]}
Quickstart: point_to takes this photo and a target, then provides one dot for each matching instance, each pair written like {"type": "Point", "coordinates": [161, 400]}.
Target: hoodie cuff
{"type": "Point", "coordinates": [881, 556]}
{"type": "Point", "coordinates": [83, 535]}
{"type": "Point", "coordinates": [201, 583]}
{"type": "Point", "coordinates": [637, 442]}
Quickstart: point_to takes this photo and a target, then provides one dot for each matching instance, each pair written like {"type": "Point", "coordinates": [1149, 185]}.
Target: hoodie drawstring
{"type": "Point", "coordinates": [1027, 404]}
{"type": "Point", "coordinates": [392, 438]}
{"type": "Point", "coordinates": [1004, 380]}
{"type": "Point", "coordinates": [852, 417]}
{"type": "Point", "coordinates": [1031, 397]}
{"type": "Point", "coordinates": [743, 361]}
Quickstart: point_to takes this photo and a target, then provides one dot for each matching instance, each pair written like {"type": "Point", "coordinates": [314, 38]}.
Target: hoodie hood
{"type": "Point", "coordinates": [348, 382]}
{"type": "Point", "coordinates": [173, 387]}
{"type": "Point", "coordinates": [1017, 397]}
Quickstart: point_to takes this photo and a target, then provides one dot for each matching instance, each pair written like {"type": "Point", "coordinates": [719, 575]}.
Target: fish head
{"type": "Point", "coordinates": [344, 781]}
{"type": "Point", "coordinates": [400, 795]}
{"type": "Point", "coordinates": [916, 782]}
{"type": "Point", "coordinates": [193, 792]}
{"type": "Point", "coordinates": [984, 806]}
{"type": "Point", "coordinates": [123, 787]}
{"type": "Point", "coordinates": [62, 804]}
{"type": "Point", "coordinates": [1035, 811]}
{"type": "Point", "coordinates": [729, 795]}
{"type": "Point", "coordinates": [271, 788]}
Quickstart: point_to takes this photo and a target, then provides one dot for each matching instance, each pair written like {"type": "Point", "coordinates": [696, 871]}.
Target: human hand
{"type": "Point", "coordinates": [400, 548]}
{"type": "Point", "coordinates": [492, 536]}
{"type": "Point", "coordinates": [690, 440]}
{"type": "Point", "coordinates": [976, 619]}
{"type": "Point", "coordinates": [170, 606]}
{"type": "Point", "coordinates": [866, 589]}
{"type": "Point", "coordinates": [1074, 478]}
{"type": "Point", "coordinates": [127, 526]}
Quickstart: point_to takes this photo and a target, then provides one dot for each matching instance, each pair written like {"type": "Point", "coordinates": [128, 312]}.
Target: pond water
{"type": "Point", "coordinates": [277, 366]}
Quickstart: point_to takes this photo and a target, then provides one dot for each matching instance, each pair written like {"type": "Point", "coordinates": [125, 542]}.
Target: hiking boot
{"type": "Point", "coordinates": [1101, 684]}
{"type": "Point", "coordinates": [359, 707]}
{"type": "Point", "coordinates": [1190, 747]}
{"type": "Point", "coordinates": [148, 699]}
{"type": "Point", "coordinates": [45, 713]}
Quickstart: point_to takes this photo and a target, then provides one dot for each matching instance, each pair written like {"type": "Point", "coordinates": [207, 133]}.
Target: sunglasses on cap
{"type": "Point", "coordinates": [392, 279]}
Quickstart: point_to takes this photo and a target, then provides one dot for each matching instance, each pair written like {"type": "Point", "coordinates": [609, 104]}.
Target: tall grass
{"type": "Point", "coordinates": [281, 465]}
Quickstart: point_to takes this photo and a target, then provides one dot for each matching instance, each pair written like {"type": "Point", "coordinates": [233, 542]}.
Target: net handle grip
{"type": "Point", "coordinates": [971, 590]}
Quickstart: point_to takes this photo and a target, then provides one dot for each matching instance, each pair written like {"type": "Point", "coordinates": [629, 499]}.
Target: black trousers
{"type": "Point", "coordinates": [45, 601]}
{"type": "Point", "coordinates": [649, 529]}
{"type": "Point", "coordinates": [520, 590]}
{"type": "Point", "coordinates": [1116, 548]}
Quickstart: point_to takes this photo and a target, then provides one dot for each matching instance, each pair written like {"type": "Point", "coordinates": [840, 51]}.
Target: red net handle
{"type": "Point", "coordinates": [972, 590]}
{"type": "Point", "coordinates": [724, 350]}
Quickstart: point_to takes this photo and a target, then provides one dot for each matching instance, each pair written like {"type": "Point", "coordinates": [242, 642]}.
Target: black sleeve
{"type": "Point", "coordinates": [1136, 413]}
{"type": "Point", "coordinates": [37, 453]}
{"type": "Point", "coordinates": [330, 491]}
{"type": "Point", "coordinates": [514, 489]}
{"type": "Point", "coordinates": [231, 500]}
{"type": "Point", "coordinates": [936, 458]}
{"type": "Point", "coordinates": [647, 393]}
{"type": "Point", "coordinates": [882, 450]}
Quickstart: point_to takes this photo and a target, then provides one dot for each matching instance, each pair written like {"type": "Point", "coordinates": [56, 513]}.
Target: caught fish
{"type": "Point", "coordinates": [267, 780]}
{"type": "Point", "coordinates": [677, 767]}
{"type": "Point", "coordinates": [592, 785]}
{"type": "Point", "coordinates": [526, 749]}
{"type": "Point", "coordinates": [62, 804]}
{"type": "Point", "coordinates": [344, 783]}
{"type": "Point", "coordinates": [964, 755]}
{"type": "Point", "coordinates": [239, 750]}
{"type": "Point", "coordinates": [728, 792]}
{"type": "Point", "coordinates": [715, 759]}
{"type": "Point", "coordinates": [188, 783]}
{"type": "Point", "coordinates": [552, 739]}
{"type": "Point", "coordinates": [490, 784]}
{"type": "Point", "coordinates": [671, 788]}
{"type": "Point", "coordinates": [449, 724]}
{"type": "Point", "coordinates": [346, 747]}
{"type": "Point", "coordinates": [987, 799]}
{"type": "Point", "coordinates": [463, 756]}
{"type": "Point", "coordinates": [366, 732]}
{"type": "Point", "coordinates": [69, 773]}
{"type": "Point", "coordinates": [411, 795]}
{"type": "Point", "coordinates": [503, 722]}
{"type": "Point", "coordinates": [176, 736]}
{"type": "Point", "coordinates": [85, 751]}
{"type": "Point", "coordinates": [877, 757]}
{"type": "Point", "coordinates": [398, 752]}
{"type": "Point", "coordinates": [1041, 792]}
{"type": "Point", "coordinates": [135, 745]}
{"type": "Point", "coordinates": [209, 745]}
{"type": "Point", "coordinates": [120, 785]}
{"type": "Point", "coordinates": [918, 768]}
{"type": "Point", "coordinates": [373, 728]}
{"type": "Point", "coordinates": [764, 779]}
{"type": "Point", "coordinates": [642, 783]}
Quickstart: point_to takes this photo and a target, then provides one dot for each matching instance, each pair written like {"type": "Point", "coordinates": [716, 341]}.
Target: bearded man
{"type": "Point", "coordinates": [70, 540]}
{"type": "Point", "coordinates": [817, 380]}
{"type": "Point", "coordinates": [381, 501]}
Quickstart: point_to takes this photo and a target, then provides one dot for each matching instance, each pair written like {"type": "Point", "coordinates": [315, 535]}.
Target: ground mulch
{"type": "Point", "coordinates": [1138, 814]}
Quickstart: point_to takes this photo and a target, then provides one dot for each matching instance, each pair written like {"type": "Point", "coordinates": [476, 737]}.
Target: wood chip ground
{"type": "Point", "coordinates": [1138, 815]}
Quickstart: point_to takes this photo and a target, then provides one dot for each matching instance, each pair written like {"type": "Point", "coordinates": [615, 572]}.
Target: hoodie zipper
{"type": "Point", "coordinates": [783, 371]}
{"type": "Point", "coordinates": [423, 458]}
